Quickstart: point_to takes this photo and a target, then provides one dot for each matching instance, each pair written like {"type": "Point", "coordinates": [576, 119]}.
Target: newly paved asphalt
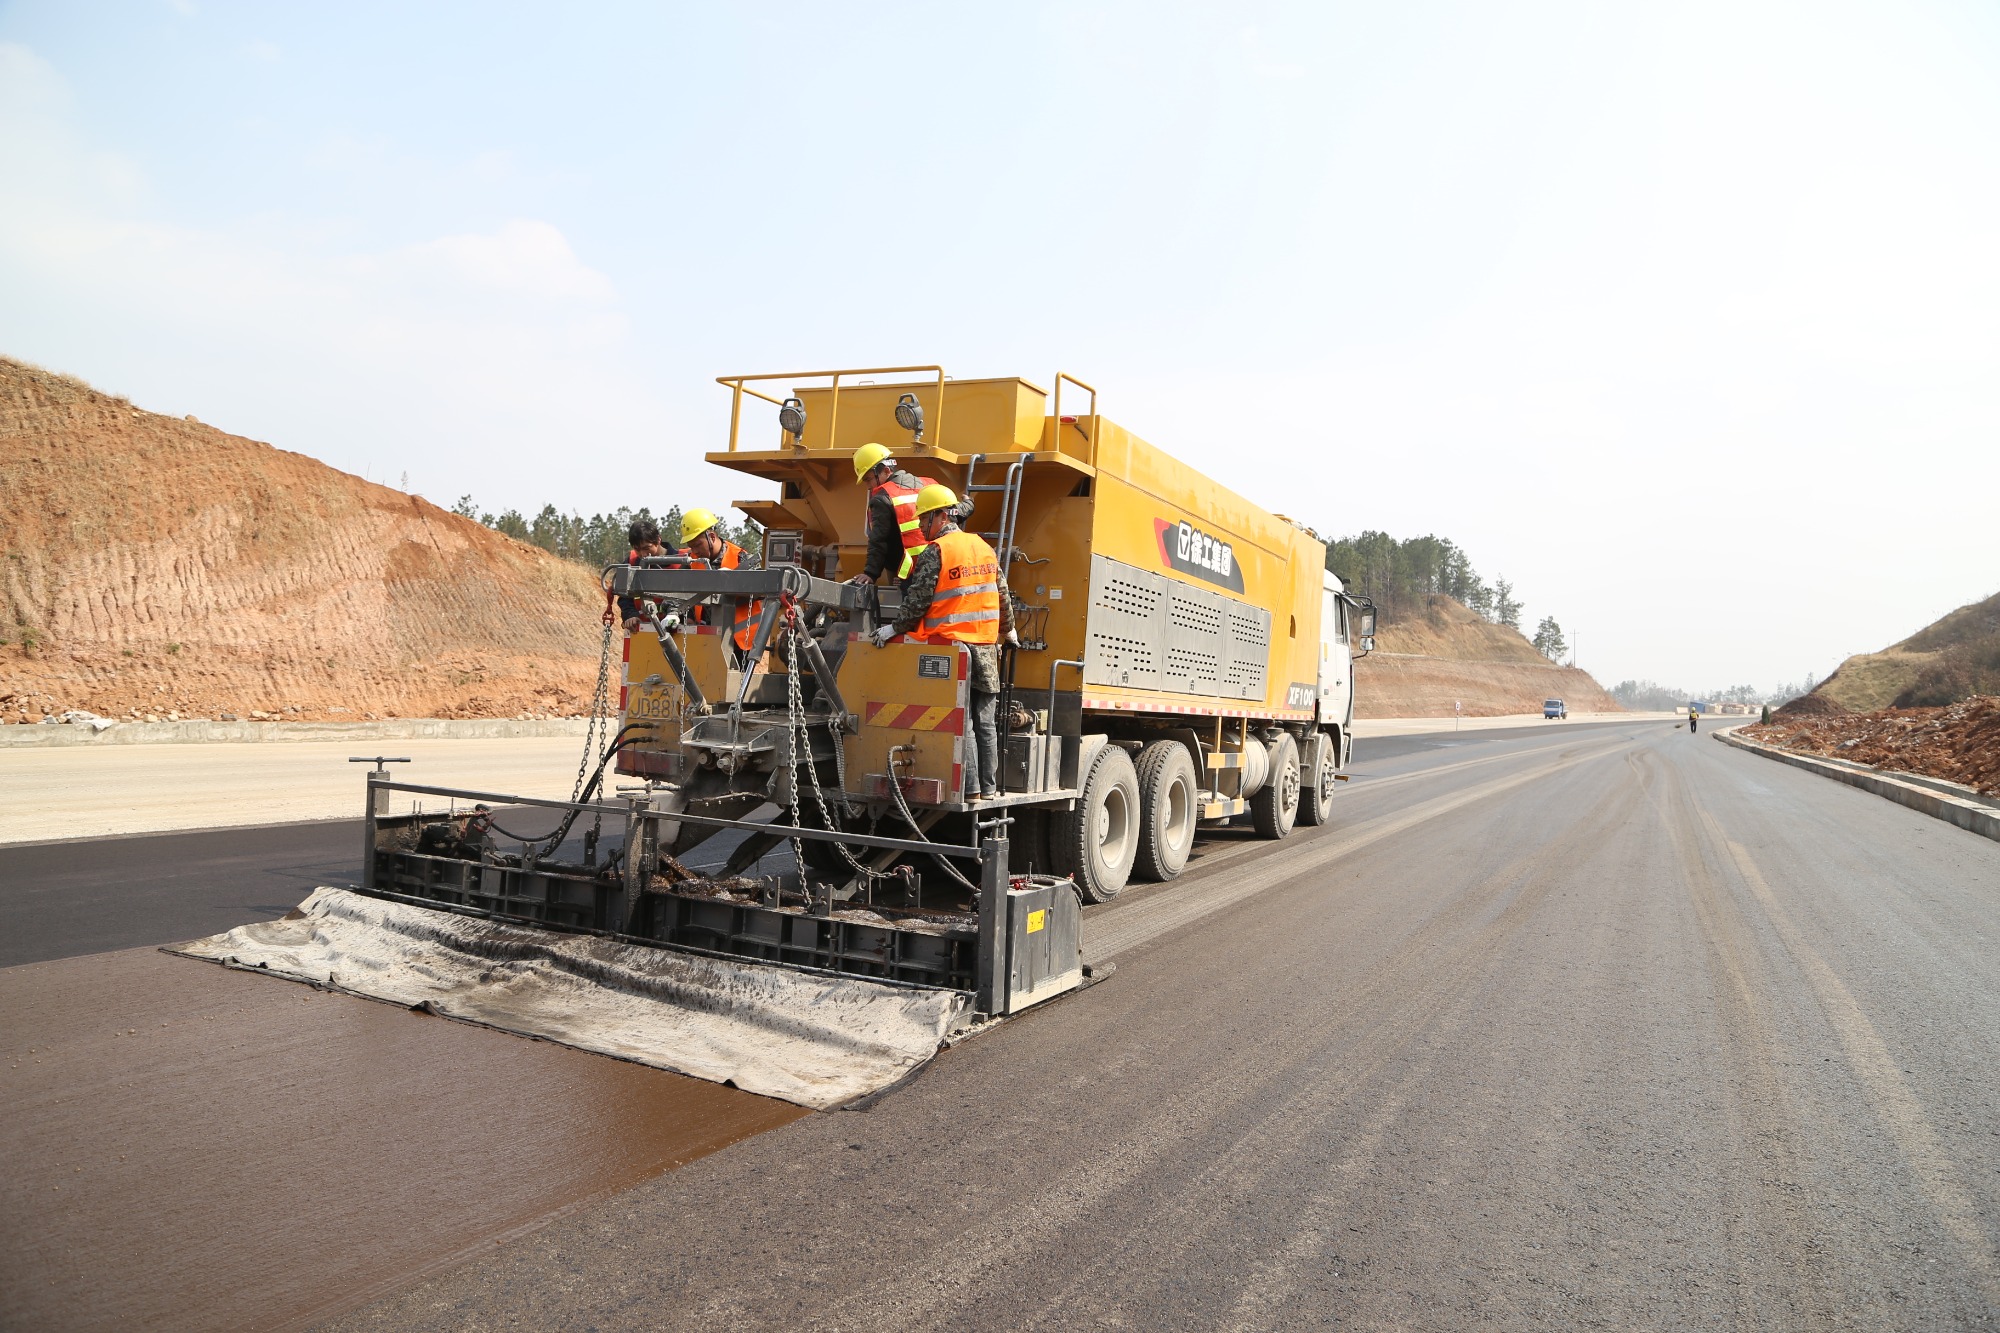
{"type": "Point", "coordinates": [1566, 1027]}
{"type": "Point", "coordinates": [1620, 1028]}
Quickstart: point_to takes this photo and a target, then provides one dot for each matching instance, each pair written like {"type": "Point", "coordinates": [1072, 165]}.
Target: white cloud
{"type": "Point", "coordinates": [523, 257]}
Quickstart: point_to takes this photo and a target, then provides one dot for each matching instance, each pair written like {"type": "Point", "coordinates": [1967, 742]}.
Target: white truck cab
{"type": "Point", "coordinates": [1345, 624]}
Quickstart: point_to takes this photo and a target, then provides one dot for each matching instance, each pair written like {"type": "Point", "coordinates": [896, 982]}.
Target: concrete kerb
{"type": "Point", "coordinates": [201, 733]}
{"type": "Point", "coordinates": [1968, 815]}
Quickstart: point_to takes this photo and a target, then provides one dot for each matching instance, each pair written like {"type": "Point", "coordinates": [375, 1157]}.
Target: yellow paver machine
{"type": "Point", "coordinates": [1184, 655]}
{"type": "Point", "coordinates": [1184, 658]}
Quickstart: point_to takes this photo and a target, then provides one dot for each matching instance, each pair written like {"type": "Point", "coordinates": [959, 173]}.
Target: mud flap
{"type": "Point", "coordinates": [816, 1040]}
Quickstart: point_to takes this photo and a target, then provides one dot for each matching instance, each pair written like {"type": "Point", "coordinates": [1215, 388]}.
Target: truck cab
{"type": "Point", "coordinates": [1554, 708]}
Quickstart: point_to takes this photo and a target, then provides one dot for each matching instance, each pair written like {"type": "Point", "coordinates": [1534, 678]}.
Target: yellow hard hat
{"type": "Point", "coordinates": [934, 496]}
{"type": "Point", "coordinates": [695, 522]}
{"type": "Point", "coordinates": [866, 457]}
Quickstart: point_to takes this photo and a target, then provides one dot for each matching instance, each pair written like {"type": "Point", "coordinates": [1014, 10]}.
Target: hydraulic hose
{"type": "Point", "coordinates": [555, 839]}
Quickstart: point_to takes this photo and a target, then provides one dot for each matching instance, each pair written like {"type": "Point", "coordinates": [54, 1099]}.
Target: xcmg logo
{"type": "Point", "coordinates": [1188, 550]}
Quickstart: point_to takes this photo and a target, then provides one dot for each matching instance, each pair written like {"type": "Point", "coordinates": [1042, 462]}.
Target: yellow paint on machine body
{"type": "Point", "coordinates": [1090, 487]}
{"type": "Point", "coordinates": [1152, 601]}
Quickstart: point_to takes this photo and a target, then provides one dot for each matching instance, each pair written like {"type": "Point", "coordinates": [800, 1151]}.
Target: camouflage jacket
{"type": "Point", "coordinates": [917, 596]}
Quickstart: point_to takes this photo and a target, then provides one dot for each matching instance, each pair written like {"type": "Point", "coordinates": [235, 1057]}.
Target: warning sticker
{"type": "Point", "coordinates": [1037, 919]}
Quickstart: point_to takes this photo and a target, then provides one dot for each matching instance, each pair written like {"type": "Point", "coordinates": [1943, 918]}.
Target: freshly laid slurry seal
{"type": "Point", "coordinates": [190, 1147]}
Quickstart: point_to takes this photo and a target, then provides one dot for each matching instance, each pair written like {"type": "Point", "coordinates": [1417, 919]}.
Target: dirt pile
{"type": "Point", "coordinates": [1959, 742]}
{"type": "Point", "coordinates": [1423, 665]}
{"type": "Point", "coordinates": [154, 567]}
{"type": "Point", "coordinates": [1811, 705]}
{"type": "Point", "coordinates": [1953, 658]}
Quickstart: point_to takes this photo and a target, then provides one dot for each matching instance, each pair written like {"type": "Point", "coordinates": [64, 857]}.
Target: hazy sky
{"type": "Point", "coordinates": [1685, 318]}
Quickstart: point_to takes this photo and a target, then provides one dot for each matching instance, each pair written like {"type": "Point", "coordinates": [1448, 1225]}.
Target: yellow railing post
{"type": "Point", "coordinates": [740, 385]}
{"type": "Point", "coordinates": [1062, 375]}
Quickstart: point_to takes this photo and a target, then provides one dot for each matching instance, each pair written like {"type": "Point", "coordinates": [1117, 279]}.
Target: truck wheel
{"type": "Point", "coordinates": [1316, 795]}
{"type": "Point", "coordinates": [1095, 843]}
{"type": "Point", "coordinates": [1028, 842]}
{"type": "Point", "coordinates": [1169, 805]}
{"type": "Point", "coordinates": [1276, 804]}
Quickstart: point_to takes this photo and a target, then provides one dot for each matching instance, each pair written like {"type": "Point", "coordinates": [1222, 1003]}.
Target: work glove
{"type": "Point", "coordinates": [881, 634]}
{"type": "Point", "coordinates": [670, 622]}
{"type": "Point", "coordinates": [1013, 639]}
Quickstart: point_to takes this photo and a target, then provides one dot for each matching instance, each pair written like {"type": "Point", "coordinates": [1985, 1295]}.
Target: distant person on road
{"type": "Point", "coordinates": [644, 537]}
{"type": "Point", "coordinates": [1694, 716]}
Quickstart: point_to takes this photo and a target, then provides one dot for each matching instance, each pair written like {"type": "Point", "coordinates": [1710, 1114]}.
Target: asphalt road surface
{"type": "Point", "coordinates": [62, 899]}
{"type": "Point", "coordinates": [1567, 1027]}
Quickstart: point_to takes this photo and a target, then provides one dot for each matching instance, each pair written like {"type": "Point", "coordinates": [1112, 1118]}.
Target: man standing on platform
{"type": "Point", "coordinates": [956, 595]}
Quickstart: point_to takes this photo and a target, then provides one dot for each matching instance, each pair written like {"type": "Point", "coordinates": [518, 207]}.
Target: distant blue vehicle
{"type": "Point", "coordinates": [1555, 708]}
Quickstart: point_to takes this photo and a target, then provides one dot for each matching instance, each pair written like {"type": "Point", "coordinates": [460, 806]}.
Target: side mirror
{"type": "Point", "coordinates": [1368, 623]}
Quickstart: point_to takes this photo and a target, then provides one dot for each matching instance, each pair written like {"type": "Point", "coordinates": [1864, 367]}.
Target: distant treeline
{"type": "Point", "coordinates": [600, 539]}
{"type": "Point", "coordinates": [1647, 696]}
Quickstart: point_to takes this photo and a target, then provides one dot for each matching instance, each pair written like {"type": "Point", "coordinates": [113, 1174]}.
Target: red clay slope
{"type": "Point", "coordinates": [151, 565]}
{"type": "Point", "coordinates": [1422, 666]}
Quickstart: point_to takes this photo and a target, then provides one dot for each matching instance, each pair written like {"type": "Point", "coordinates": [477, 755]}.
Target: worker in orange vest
{"type": "Point", "coordinates": [956, 594]}
{"type": "Point", "coordinates": [701, 537]}
{"type": "Point", "coordinates": [894, 536]}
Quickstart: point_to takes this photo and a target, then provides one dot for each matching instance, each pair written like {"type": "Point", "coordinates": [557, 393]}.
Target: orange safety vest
{"type": "Point", "coordinates": [966, 606]}
{"type": "Point", "coordinates": [904, 500]}
{"type": "Point", "coordinates": [746, 610]}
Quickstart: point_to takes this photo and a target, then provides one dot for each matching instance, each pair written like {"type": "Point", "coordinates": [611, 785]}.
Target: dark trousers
{"type": "Point", "coordinates": [985, 777]}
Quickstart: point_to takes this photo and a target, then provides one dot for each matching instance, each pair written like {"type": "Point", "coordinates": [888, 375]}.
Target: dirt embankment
{"type": "Point", "coordinates": [1959, 742]}
{"type": "Point", "coordinates": [1421, 667]}
{"type": "Point", "coordinates": [156, 567]}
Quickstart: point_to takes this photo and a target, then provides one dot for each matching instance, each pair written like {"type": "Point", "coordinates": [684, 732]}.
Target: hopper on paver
{"type": "Point", "coordinates": [796, 995]}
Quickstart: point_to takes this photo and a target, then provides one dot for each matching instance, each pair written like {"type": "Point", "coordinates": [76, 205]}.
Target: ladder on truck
{"type": "Point", "coordinates": [1008, 488]}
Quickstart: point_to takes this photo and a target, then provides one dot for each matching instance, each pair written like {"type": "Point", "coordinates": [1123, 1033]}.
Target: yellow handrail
{"type": "Point", "coordinates": [737, 385]}
{"type": "Point", "coordinates": [1062, 375]}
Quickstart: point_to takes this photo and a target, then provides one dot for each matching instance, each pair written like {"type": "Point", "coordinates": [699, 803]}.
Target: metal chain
{"type": "Point", "coordinates": [794, 715]}
{"type": "Point", "coordinates": [600, 703]}
{"type": "Point", "coordinates": [798, 727]}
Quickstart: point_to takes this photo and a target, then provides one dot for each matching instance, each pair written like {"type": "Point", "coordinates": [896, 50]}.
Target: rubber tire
{"type": "Point", "coordinates": [1275, 807]}
{"type": "Point", "coordinates": [1028, 842]}
{"type": "Point", "coordinates": [1316, 796]}
{"type": "Point", "coordinates": [1166, 779]}
{"type": "Point", "coordinates": [1110, 797]}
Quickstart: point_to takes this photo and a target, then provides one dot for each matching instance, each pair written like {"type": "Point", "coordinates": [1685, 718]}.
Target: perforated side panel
{"type": "Point", "coordinates": [1249, 650]}
{"type": "Point", "coordinates": [1127, 626]}
{"type": "Point", "coordinates": [1152, 632]}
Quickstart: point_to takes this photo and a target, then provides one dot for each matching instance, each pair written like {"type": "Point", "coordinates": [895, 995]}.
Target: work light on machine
{"type": "Point", "coordinates": [910, 416]}
{"type": "Point", "coordinates": [792, 418]}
